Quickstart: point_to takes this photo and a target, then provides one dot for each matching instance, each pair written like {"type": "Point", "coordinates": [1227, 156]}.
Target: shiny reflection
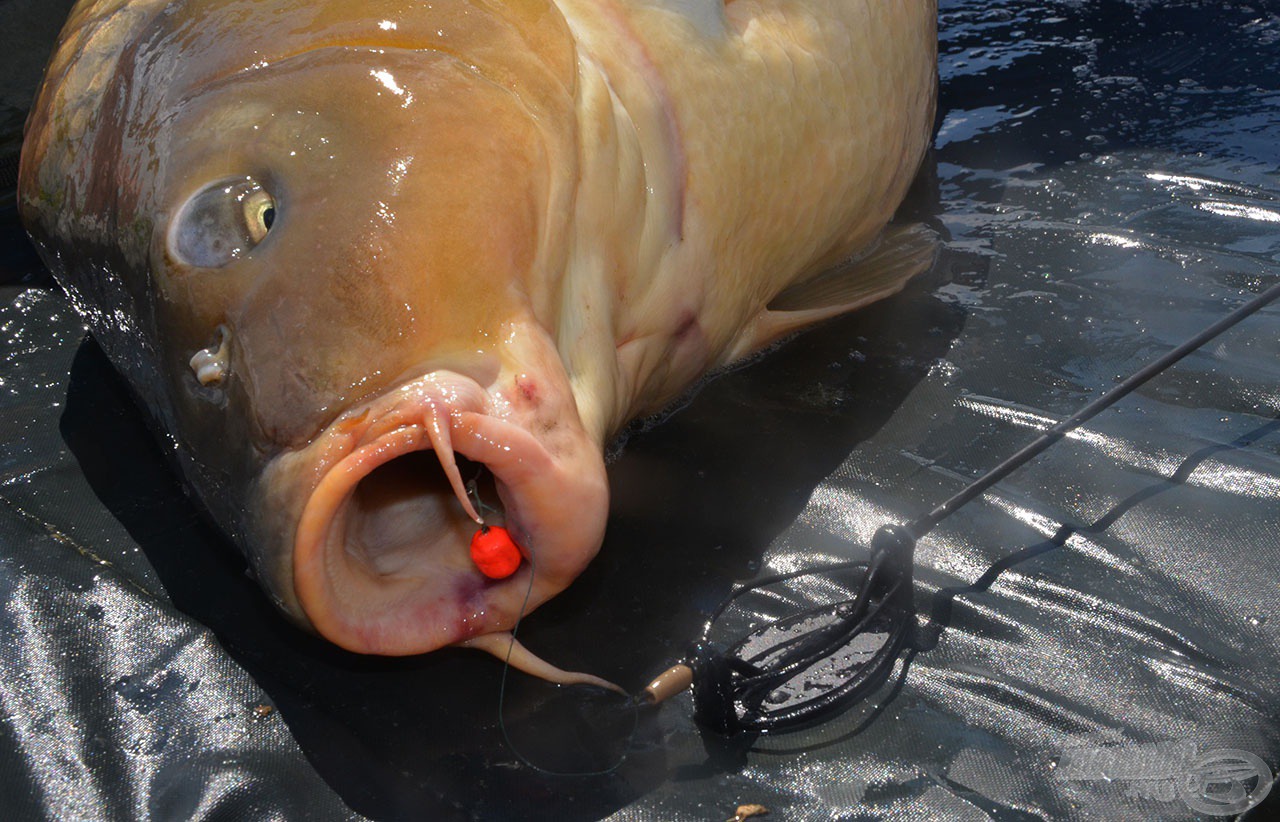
{"type": "Point", "coordinates": [388, 81]}
{"type": "Point", "coordinates": [399, 170]}
{"type": "Point", "coordinates": [1214, 474]}
{"type": "Point", "coordinates": [1047, 527]}
{"type": "Point", "coordinates": [1117, 240]}
{"type": "Point", "coordinates": [1018, 680]}
{"type": "Point", "coordinates": [1201, 183]}
{"type": "Point", "coordinates": [1262, 215]}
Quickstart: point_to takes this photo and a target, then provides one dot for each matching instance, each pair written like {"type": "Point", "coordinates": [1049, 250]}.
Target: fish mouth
{"type": "Point", "coordinates": [382, 560]}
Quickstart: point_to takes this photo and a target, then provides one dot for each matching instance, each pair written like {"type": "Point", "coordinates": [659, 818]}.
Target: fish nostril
{"type": "Point", "coordinates": [211, 365]}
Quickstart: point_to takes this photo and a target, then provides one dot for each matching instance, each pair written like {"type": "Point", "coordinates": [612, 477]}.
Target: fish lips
{"type": "Point", "coordinates": [381, 526]}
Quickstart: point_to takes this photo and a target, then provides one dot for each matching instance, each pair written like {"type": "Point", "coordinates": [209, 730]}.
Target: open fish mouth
{"type": "Point", "coordinates": [381, 559]}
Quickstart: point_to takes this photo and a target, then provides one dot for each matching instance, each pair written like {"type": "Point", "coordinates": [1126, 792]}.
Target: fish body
{"type": "Point", "coordinates": [349, 253]}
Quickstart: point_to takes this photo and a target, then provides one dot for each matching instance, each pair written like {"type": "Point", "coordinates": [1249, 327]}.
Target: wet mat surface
{"type": "Point", "coordinates": [1090, 633]}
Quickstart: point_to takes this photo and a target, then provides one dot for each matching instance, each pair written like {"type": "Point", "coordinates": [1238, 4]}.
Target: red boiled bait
{"type": "Point", "coordinates": [494, 552]}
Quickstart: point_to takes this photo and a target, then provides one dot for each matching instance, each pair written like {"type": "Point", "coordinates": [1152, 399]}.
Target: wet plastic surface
{"type": "Point", "coordinates": [1108, 176]}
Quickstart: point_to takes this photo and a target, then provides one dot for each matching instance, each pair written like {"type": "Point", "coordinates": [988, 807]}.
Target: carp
{"type": "Point", "coordinates": [380, 271]}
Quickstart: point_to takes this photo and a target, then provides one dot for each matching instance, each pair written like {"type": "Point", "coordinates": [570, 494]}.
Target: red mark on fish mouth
{"type": "Point", "coordinates": [527, 387]}
{"type": "Point", "coordinates": [382, 547]}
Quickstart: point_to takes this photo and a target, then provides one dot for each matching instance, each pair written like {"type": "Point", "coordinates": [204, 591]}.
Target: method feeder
{"type": "Point", "coordinates": [794, 671]}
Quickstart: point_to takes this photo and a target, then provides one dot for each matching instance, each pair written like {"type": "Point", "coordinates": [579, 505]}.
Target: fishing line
{"type": "Point", "coordinates": [927, 522]}
{"type": "Point", "coordinates": [793, 671]}
{"type": "Point", "coordinates": [632, 704]}
{"type": "Point", "coordinates": [473, 491]}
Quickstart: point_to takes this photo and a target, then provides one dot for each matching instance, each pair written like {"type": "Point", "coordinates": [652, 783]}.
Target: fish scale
{"type": "Point", "coordinates": [321, 238]}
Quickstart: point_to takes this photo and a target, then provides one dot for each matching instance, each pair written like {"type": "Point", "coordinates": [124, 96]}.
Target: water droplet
{"type": "Point", "coordinates": [777, 697]}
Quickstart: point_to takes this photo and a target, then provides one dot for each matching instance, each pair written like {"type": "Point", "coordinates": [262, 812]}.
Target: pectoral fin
{"type": "Point", "coordinates": [902, 253]}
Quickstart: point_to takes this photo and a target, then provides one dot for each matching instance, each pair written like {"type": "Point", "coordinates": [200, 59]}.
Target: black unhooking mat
{"type": "Point", "coordinates": [1097, 637]}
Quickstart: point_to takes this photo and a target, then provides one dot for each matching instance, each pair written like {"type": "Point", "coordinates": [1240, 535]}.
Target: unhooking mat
{"type": "Point", "coordinates": [1097, 638]}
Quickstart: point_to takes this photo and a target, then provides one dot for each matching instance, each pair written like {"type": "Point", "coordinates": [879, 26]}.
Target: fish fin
{"type": "Point", "coordinates": [901, 253]}
{"type": "Point", "coordinates": [506, 648]}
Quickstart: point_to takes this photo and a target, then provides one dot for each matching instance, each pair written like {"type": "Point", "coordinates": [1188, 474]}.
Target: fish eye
{"type": "Point", "coordinates": [223, 222]}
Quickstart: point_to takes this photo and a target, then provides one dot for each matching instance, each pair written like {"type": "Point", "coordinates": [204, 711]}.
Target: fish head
{"type": "Point", "coordinates": [323, 243]}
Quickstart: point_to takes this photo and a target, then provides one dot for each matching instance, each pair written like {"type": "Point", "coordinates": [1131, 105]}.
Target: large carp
{"type": "Point", "coordinates": [349, 252]}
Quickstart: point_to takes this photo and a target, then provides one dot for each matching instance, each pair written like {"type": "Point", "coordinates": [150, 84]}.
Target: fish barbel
{"type": "Point", "coordinates": [348, 254]}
